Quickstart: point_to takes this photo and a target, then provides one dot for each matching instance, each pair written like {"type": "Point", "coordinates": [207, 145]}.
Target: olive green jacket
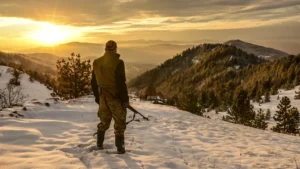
{"type": "Point", "coordinates": [109, 73]}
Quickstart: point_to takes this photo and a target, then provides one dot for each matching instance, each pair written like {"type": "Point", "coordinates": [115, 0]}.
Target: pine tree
{"type": "Point", "coordinates": [74, 77]}
{"type": "Point", "coordinates": [253, 91]}
{"type": "Point", "coordinates": [297, 96]}
{"type": "Point", "coordinates": [16, 76]}
{"type": "Point", "coordinates": [260, 120]}
{"type": "Point", "coordinates": [268, 114]}
{"type": "Point", "coordinates": [189, 101]}
{"type": "Point", "coordinates": [293, 121]}
{"type": "Point", "coordinates": [242, 111]}
{"type": "Point", "coordinates": [267, 97]}
{"type": "Point", "coordinates": [31, 79]}
{"type": "Point", "coordinates": [281, 115]}
{"type": "Point", "coordinates": [274, 90]}
{"type": "Point", "coordinates": [258, 96]}
{"type": "Point", "coordinates": [287, 118]}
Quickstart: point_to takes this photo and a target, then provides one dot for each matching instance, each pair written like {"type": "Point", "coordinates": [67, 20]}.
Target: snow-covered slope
{"type": "Point", "coordinates": [272, 105]}
{"type": "Point", "coordinates": [34, 90]}
{"type": "Point", "coordinates": [60, 136]}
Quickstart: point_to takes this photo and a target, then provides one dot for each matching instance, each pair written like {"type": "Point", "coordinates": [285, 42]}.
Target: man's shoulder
{"type": "Point", "coordinates": [120, 63]}
{"type": "Point", "coordinates": [97, 60]}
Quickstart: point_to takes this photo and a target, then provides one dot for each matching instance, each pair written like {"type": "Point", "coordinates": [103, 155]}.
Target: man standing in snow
{"type": "Point", "coordinates": [110, 91]}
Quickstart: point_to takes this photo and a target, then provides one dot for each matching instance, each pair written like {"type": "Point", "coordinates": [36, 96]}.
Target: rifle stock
{"type": "Point", "coordinates": [136, 112]}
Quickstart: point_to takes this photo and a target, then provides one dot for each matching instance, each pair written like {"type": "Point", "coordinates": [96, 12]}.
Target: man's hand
{"type": "Point", "coordinates": [97, 100]}
{"type": "Point", "coordinates": [125, 105]}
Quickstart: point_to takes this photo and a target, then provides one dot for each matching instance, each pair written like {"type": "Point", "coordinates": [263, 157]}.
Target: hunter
{"type": "Point", "coordinates": [110, 91]}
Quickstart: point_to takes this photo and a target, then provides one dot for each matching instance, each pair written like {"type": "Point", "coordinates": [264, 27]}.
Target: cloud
{"type": "Point", "coordinates": [75, 12]}
{"type": "Point", "coordinates": [106, 12]}
{"type": "Point", "coordinates": [100, 20]}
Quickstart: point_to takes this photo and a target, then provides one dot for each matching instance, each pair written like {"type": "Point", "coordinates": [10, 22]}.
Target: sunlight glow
{"type": "Point", "coordinates": [49, 34]}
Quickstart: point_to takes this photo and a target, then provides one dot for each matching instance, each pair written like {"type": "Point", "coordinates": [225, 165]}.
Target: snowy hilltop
{"type": "Point", "coordinates": [33, 89]}
{"type": "Point", "coordinates": [59, 135]}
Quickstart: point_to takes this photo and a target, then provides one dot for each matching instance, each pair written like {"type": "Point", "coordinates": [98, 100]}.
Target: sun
{"type": "Point", "coordinates": [49, 34]}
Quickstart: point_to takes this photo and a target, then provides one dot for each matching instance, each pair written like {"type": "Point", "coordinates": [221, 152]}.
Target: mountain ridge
{"type": "Point", "coordinates": [212, 74]}
{"type": "Point", "coordinates": [260, 51]}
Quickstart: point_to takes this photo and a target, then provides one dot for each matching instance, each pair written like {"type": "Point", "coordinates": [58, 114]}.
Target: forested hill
{"type": "Point", "coordinates": [210, 75]}
{"type": "Point", "coordinates": [171, 67]}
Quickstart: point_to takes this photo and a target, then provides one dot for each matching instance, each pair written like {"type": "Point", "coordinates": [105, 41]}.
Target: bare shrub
{"type": "Point", "coordinates": [11, 96]}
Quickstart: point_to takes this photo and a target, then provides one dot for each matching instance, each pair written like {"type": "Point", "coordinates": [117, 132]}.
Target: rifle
{"type": "Point", "coordinates": [135, 112]}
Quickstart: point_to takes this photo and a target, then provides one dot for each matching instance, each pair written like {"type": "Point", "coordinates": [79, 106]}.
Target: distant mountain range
{"type": "Point", "coordinates": [150, 54]}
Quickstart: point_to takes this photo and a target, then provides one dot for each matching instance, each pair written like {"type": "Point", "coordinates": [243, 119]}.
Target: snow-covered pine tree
{"type": "Point", "coordinates": [287, 118]}
{"type": "Point", "coordinates": [260, 120]}
{"type": "Point", "coordinates": [74, 77]}
{"type": "Point", "coordinates": [242, 111]}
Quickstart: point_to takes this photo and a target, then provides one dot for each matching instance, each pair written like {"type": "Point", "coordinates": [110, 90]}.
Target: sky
{"type": "Point", "coordinates": [32, 23]}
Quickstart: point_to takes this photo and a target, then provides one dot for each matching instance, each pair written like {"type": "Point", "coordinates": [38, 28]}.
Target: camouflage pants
{"type": "Point", "coordinates": [111, 108]}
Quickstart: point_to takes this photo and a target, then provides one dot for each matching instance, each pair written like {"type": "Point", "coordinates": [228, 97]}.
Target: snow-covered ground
{"type": "Point", "coordinates": [34, 90]}
{"type": "Point", "coordinates": [60, 136]}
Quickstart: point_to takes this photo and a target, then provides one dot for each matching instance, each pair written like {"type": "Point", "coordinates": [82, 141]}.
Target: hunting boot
{"type": "Point", "coordinates": [100, 139]}
{"type": "Point", "coordinates": [120, 144]}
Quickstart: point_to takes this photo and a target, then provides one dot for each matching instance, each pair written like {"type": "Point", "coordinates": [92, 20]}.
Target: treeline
{"type": "Point", "coordinates": [217, 86]}
{"type": "Point", "coordinates": [269, 77]}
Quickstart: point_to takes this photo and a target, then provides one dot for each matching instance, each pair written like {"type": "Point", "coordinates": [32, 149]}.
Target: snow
{"type": "Point", "coordinates": [265, 57]}
{"type": "Point", "coordinates": [60, 136]}
{"type": "Point", "coordinates": [34, 90]}
{"type": "Point", "coordinates": [237, 67]}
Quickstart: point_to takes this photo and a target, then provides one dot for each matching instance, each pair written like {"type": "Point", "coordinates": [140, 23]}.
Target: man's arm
{"type": "Point", "coordinates": [121, 83]}
{"type": "Point", "coordinates": [95, 87]}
